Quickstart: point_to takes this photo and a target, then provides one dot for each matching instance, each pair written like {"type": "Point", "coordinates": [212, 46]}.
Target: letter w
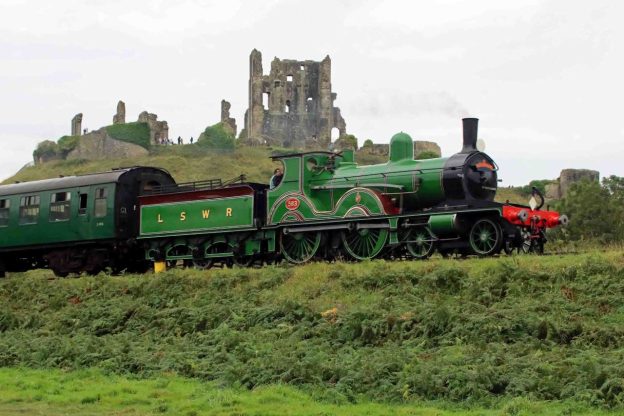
{"type": "Point", "coordinates": [205, 213]}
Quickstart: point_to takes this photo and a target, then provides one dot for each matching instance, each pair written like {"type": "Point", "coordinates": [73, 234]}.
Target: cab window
{"type": "Point", "coordinates": [60, 203]}
{"type": "Point", "coordinates": [29, 209]}
{"type": "Point", "coordinates": [101, 195]}
{"type": "Point", "coordinates": [5, 207]}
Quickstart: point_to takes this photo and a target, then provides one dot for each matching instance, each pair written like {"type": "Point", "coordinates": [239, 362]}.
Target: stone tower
{"type": "Point", "coordinates": [228, 122]}
{"type": "Point", "coordinates": [120, 116]}
{"type": "Point", "coordinates": [293, 106]}
{"type": "Point", "coordinates": [76, 125]}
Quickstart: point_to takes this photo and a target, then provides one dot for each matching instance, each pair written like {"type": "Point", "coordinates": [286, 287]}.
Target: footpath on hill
{"type": "Point", "coordinates": [472, 332]}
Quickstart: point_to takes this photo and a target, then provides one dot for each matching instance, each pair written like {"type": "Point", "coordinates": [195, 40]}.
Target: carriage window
{"type": "Point", "coordinates": [100, 202]}
{"type": "Point", "coordinates": [82, 208]}
{"type": "Point", "coordinates": [5, 206]}
{"type": "Point", "coordinates": [60, 204]}
{"type": "Point", "coordinates": [29, 209]}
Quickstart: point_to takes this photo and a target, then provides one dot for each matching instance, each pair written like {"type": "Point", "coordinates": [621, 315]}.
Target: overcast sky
{"type": "Point", "coordinates": [543, 76]}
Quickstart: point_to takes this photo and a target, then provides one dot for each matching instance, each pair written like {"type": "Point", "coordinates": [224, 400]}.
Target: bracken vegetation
{"type": "Point", "coordinates": [475, 331]}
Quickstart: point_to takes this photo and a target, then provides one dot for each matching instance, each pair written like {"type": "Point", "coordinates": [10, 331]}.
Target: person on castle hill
{"type": "Point", "coordinates": [191, 139]}
{"type": "Point", "coordinates": [276, 179]}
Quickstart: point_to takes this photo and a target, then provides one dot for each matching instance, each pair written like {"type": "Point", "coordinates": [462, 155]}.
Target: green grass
{"type": "Point", "coordinates": [135, 133]}
{"type": "Point", "coordinates": [474, 332]}
{"type": "Point", "coordinates": [91, 392]}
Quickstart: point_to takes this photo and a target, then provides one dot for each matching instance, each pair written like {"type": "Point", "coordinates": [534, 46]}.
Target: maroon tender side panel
{"type": "Point", "coordinates": [196, 195]}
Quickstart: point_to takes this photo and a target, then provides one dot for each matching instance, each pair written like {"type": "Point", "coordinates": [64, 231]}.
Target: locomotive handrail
{"type": "Point", "coordinates": [204, 185]}
{"type": "Point", "coordinates": [322, 152]}
{"type": "Point", "coordinates": [363, 185]}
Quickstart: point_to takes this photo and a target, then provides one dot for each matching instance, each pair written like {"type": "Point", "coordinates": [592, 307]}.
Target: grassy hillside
{"type": "Point", "coordinates": [186, 163]}
{"type": "Point", "coordinates": [472, 332]}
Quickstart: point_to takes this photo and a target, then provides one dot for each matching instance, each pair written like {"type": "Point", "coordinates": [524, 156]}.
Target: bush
{"type": "Point", "coordinates": [427, 154]}
{"type": "Point", "coordinates": [46, 149]}
{"type": "Point", "coordinates": [217, 137]}
{"type": "Point", "coordinates": [66, 144]}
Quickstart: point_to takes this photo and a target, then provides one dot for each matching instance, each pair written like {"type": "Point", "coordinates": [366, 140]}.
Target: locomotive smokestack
{"type": "Point", "coordinates": [470, 134]}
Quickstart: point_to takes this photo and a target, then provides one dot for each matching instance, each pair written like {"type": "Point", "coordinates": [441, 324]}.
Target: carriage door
{"type": "Point", "coordinates": [83, 213]}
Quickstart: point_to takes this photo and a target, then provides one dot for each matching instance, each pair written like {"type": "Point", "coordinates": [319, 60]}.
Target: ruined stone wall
{"type": "Point", "coordinates": [120, 115]}
{"type": "Point", "coordinates": [567, 177]}
{"type": "Point", "coordinates": [159, 130]}
{"type": "Point", "coordinates": [298, 108]}
{"type": "Point", "coordinates": [228, 122]}
{"type": "Point", "coordinates": [76, 125]}
{"type": "Point", "coordinates": [98, 145]}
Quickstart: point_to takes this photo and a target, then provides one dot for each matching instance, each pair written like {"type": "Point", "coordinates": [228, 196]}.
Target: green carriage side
{"type": "Point", "coordinates": [74, 223]}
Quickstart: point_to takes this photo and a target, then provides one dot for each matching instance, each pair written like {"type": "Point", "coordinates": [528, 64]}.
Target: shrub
{"type": "Point", "coordinates": [46, 148]}
{"type": "Point", "coordinates": [217, 137]}
{"type": "Point", "coordinates": [66, 144]}
{"type": "Point", "coordinates": [427, 154]}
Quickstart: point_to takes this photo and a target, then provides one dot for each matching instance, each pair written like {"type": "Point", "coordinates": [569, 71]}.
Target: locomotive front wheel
{"type": "Point", "coordinates": [485, 237]}
{"type": "Point", "coordinates": [419, 243]}
{"type": "Point", "coordinates": [300, 247]}
{"type": "Point", "coordinates": [365, 243]}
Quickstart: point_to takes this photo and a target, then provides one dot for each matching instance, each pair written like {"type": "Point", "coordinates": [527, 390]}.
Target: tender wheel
{"type": "Point", "coordinates": [485, 237]}
{"type": "Point", "coordinates": [202, 264]}
{"type": "Point", "coordinates": [419, 243]}
{"type": "Point", "coordinates": [60, 273]}
{"type": "Point", "coordinates": [300, 247]}
{"type": "Point", "coordinates": [365, 243]}
{"type": "Point", "coordinates": [223, 249]}
{"type": "Point", "coordinates": [243, 261]}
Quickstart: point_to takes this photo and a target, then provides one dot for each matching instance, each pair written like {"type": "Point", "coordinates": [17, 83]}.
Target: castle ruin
{"type": "Point", "coordinates": [293, 106]}
{"type": "Point", "coordinates": [76, 125]}
{"type": "Point", "coordinates": [120, 115]}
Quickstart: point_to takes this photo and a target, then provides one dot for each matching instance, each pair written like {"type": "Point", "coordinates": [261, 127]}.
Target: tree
{"type": "Point", "coordinates": [595, 212]}
{"type": "Point", "coordinates": [367, 143]}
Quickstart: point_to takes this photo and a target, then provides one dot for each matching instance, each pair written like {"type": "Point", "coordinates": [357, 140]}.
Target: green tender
{"type": "Point", "coordinates": [210, 215]}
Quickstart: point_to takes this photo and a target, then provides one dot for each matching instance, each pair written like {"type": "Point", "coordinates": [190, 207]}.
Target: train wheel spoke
{"type": "Point", "coordinates": [300, 247]}
{"type": "Point", "coordinates": [485, 237]}
{"type": "Point", "coordinates": [365, 243]}
{"type": "Point", "coordinates": [419, 243]}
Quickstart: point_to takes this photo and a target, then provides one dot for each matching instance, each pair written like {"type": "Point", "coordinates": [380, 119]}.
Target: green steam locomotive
{"type": "Point", "coordinates": [326, 207]}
